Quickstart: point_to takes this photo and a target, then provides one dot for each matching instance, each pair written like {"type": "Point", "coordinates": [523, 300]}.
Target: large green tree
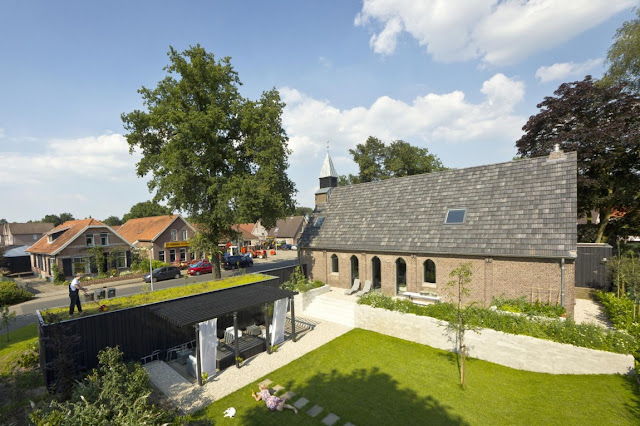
{"type": "Point", "coordinates": [623, 56]}
{"type": "Point", "coordinates": [212, 153]}
{"type": "Point", "coordinates": [377, 161]}
{"type": "Point", "coordinates": [146, 209]}
{"type": "Point", "coordinates": [601, 123]}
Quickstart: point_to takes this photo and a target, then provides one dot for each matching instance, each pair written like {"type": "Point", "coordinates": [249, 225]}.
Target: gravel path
{"type": "Point", "coordinates": [190, 398]}
{"type": "Point", "coordinates": [591, 312]}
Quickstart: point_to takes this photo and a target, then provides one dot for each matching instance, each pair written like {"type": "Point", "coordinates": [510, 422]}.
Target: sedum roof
{"type": "Point", "coordinates": [520, 208]}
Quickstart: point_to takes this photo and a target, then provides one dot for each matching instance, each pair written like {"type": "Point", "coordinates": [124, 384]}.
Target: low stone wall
{"type": "Point", "coordinates": [521, 352]}
{"type": "Point", "coordinates": [302, 300]}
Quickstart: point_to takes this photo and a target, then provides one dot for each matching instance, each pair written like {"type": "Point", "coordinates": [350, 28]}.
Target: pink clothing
{"type": "Point", "coordinates": [272, 401]}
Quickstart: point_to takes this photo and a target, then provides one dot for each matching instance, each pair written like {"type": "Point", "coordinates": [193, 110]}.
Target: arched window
{"type": "Point", "coordinates": [429, 269]}
{"type": "Point", "coordinates": [376, 272]}
{"type": "Point", "coordinates": [334, 263]}
{"type": "Point", "coordinates": [355, 269]}
{"type": "Point", "coordinates": [401, 276]}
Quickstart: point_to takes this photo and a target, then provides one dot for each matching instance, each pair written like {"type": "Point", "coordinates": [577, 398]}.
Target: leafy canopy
{"type": "Point", "coordinates": [146, 209]}
{"type": "Point", "coordinates": [602, 124]}
{"type": "Point", "coordinates": [57, 220]}
{"type": "Point", "coordinates": [112, 221]}
{"type": "Point", "coordinates": [623, 57]}
{"type": "Point", "coordinates": [212, 153]}
{"type": "Point", "coordinates": [378, 161]}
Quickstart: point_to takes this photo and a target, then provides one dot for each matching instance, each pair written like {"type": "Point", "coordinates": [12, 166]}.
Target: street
{"type": "Point", "coordinates": [26, 312]}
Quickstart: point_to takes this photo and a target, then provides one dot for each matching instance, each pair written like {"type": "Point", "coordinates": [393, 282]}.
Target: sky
{"type": "Point", "coordinates": [458, 77]}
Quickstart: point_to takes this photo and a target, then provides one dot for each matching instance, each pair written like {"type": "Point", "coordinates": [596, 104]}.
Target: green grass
{"type": "Point", "coordinates": [90, 308]}
{"type": "Point", "coordinates": [19, 341]}
{"type": "Point", "coordinates": [367, 378]}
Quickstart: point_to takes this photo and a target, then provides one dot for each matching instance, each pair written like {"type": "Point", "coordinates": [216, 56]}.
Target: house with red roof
{"type": "Point", "coordinates": [68, 244]}
{"type": "Point", "coordinates": [167, 237]}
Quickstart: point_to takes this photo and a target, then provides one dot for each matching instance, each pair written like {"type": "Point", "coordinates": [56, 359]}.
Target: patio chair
{"type": "Point", "coordinates": [355, 287]}
{"type": "Point", "coordinates": [366, 289]}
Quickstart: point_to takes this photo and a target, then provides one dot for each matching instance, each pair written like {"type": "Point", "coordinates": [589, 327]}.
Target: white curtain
{"type": "Point", "coordinates": [208, 345]}
{"type": "Point", "coordinates": [277, 327]}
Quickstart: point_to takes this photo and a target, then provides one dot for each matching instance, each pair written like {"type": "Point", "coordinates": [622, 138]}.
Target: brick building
{"type": "Point", "coordinates": [515, 222]}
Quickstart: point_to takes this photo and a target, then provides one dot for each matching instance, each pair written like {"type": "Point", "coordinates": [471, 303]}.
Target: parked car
{"type": "Point", "coordinates": [163, 273]}
{"type": "Point", "coordinates": [230, 262]}
{"type": "Point", "coordinates": [285, 246]}
{"type": "Point", "coordinates": [202, 267]}
{"type": "Point", "coordinates": [294, 247]}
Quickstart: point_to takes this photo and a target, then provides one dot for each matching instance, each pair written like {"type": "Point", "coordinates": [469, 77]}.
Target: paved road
{"type": "Point", "coordinates": [26, 312]}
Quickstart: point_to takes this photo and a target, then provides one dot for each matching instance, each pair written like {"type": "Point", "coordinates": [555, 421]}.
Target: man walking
{"type": "Point", "coordinates": [74, 294]}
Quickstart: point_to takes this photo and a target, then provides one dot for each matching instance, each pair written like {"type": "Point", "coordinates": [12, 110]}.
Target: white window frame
{"type": "Point", "coordinates": [183, 255]}
{"type": "Point", "coordinates": [174, 235]}
{"type": "Point", "coordinates": [121, 260]}
{"type": "Point", "coordinates": [161, 255]}
{"type": "Point", "coordinates": [172, 255]}
{"type": "Point", "coordinates": [184, 235]}
{"type": "Point", "coordinates": [90, 237]}
{"type": "Point", "coordinates": [104, 238]}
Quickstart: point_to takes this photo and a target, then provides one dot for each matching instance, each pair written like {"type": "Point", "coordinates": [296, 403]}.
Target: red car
{"type": "Point", "coordinates": [202, 267]}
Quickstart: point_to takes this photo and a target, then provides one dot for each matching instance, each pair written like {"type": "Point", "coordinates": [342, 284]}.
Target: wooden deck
{"type": "Point", "coordinates": [248, 346]}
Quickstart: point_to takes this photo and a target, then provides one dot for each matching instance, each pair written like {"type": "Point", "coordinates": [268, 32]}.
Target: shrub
{"type": "Point", "coordinates": [11, 294]}
{"type": "Point", "coordinates": [298, 282]}
{"type": "Point", "coordinates": [584, 335]}
{"type": "Point", "coordinates": [58, 275]}
{"type": "Point", "coordinates": [521, 306]}
{"type": "Point", "coordinates": [142, 266]}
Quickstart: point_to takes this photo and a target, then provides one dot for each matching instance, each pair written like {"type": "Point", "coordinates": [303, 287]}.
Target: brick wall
{"type": "Point", "coordinates": [536, 279]}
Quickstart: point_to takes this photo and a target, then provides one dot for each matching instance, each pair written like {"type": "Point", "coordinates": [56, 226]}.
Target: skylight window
{"type": "Point", "coordinates": [455, 216]}
{"type": "Point", "coordinates": [319, 221]}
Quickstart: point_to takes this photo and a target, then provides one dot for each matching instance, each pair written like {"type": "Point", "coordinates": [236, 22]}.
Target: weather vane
{"type": "Point", "coordinates": [327, 146]}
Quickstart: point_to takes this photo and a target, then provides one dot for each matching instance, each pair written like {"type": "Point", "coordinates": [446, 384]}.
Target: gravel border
{"type": "Point", "coordinates": [189, 397]}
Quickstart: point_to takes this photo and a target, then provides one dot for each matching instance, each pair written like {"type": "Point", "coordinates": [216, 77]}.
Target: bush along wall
{"type": "Point", "coordinates": [620, 312]}
{"type": "Point", "coordinates": [583, 335]}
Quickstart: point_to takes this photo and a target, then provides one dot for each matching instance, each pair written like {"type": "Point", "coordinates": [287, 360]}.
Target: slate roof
{"type": "Point", "coordinates": [70, 230]}
{"type": "Point", "coordinates": [146, 228]}
{"type": "Point", "coordinates": [29, 228]}
{"type": "Point", "coordinates": [520, 208]}
{"type": "Point", "coordinates": [287, 227]}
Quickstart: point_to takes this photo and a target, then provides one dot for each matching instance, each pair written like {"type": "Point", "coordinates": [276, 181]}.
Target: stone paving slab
{"type": "Point", "coordinates": [315, 410]}
{"type": "Point", "coordinates": [277, 388]}
{"type": "Point", "coordinates": [330, 420]}
{"type": "Point", "coordinates": [288, 395]}
{"type": "Point", "coordinates": [301, 402]}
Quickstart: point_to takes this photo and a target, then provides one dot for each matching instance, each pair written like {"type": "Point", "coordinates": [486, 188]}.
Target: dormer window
{"type": "Point", "coordinates": [319, 221]}
{"type": "Point", "coordinates": [455, 216]}
{"type": "Point", "coordinates": [90, 242]}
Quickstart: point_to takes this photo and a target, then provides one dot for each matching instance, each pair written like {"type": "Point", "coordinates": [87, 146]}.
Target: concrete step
{"type": "Point", "coordinates": [334, 310]}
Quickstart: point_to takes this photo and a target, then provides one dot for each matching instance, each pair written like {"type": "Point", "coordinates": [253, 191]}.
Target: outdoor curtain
{"type": "Point", "coordinates": [208, 345]}
{"type": "Point", "coordinates": [277, 327]}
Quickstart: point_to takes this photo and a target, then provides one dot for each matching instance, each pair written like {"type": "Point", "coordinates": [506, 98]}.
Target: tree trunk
{"type": "Point", "coordinates": [605, 215]}
{"type": "Point", "coordinates": [215, 261]}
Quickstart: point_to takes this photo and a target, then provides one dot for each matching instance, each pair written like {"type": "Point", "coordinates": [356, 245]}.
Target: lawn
{"type": "Point", "coordinates": [367, 378]}
{"type": "Point", "coordinates": [10, 351]}
{"type": "Point", "coordinates": [90, 308]}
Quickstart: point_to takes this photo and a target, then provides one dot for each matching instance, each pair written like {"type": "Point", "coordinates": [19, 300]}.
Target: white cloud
{"type": "Point", "coordinates": [497, 32]}
{"type": "Point", "coordinates": [565, 70]}
{"type": "Point", "coordinates": [445, 123]}
{"type": "Point", "coordinates": [104, 157]}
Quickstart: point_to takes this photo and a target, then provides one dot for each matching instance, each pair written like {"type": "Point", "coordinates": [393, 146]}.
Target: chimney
{"type": "Point", "coordinates": [557, 153]}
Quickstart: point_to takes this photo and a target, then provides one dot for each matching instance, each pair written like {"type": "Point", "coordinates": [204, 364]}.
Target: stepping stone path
{"type": "Point", "coordinates": [329, 420]}
{"type": "Point", "coordinates": [315, 410]}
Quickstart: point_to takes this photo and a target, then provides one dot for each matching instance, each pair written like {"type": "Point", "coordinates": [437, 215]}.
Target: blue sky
{"type": "Point", "coordinates": [459, 77]}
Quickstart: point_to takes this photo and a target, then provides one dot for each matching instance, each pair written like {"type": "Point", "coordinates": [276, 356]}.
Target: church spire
{"type": "Point", "coordinates": [328, 174]}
